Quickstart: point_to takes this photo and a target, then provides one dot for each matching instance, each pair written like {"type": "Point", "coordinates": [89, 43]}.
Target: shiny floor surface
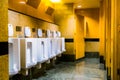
{"type": "Point", "coordinates": [86, 69]}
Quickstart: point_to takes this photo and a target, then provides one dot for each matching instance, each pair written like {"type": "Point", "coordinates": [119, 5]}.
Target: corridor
{"type": "Point", "coordinates": [85, 69]}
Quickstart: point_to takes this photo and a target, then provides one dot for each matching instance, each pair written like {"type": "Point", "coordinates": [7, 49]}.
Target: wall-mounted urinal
{"type": "Point", "coordinates": [63, 45]}
{"type": "Point", "coordinates": [50, 46]}
{"type": "Point", "coordinates": [28, 52]}
{"type": "Point", "coordinates": [14, 56]}
{"type": "Point", "coordinates": [54, 46]}
{"type": "Point", "coordinates": [59, 46]}
{"type": "Point", "coordinates": [42, 50]}
{"type": "Point", "coordinates": [14, 52]}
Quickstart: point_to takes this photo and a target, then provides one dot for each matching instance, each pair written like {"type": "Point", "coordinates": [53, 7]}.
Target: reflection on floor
{"type": "Point", "coordinates": [86, 69]}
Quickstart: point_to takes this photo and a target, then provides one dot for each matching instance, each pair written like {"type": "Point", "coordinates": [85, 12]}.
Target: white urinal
{"type": "Point", "coordinates": [54, 47]}
{"type": "Point", "coordinates": [59, 46]}
{"type": "Point", "coordinates": [42, 50]}
{"type": "Point", "coordinates": [28, 52]}
{"type": "Point", "coordinates": [63, 45]}
{"type": "Point", "coordinates": [51, 47]}
{"type": "Point", "coordinates": [14, 56]}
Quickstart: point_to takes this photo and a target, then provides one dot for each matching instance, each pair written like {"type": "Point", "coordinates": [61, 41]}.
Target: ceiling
{"type": "Point", "coordinates": [84, 3]}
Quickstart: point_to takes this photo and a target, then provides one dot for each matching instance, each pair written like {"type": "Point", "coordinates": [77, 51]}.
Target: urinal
{"type": "Point", "coordinates": [50, 46]}
{"type": "Point", "coordinates": [59, 46]}
{"type": "Point", "coordinates": [63, 45]}
{"type": "Point", "coordinates": [14, 56]}
{"type": "Point", "coordinates": [28, 52]}
{"type": "Point", "coordinates": [42, 50]}
{"type": "Point", "coordinates": [54, 47]}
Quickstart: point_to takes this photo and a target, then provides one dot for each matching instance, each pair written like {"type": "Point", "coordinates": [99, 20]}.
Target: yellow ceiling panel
{"type": "Point", "coordinates": [84, 3]}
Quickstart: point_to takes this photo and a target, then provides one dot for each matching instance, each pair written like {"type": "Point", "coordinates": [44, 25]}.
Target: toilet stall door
{"type": "Point", "coordinates": [117, 57]}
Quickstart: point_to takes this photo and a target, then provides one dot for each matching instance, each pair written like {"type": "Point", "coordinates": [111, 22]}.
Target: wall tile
{"type": "Point", "coordinates": [4, 67]}
{"type": "Point", "coordinates": [3, 20]}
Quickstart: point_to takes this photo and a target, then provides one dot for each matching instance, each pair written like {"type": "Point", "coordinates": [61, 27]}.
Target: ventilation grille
{"type": "Point", "coordinates": [33, 3]}
{"type": "Point", "coordinates": [49, 11]}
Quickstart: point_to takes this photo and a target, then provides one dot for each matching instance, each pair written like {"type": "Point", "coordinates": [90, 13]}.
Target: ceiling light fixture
{"type": "Point", "coordinates": [79, 6]}
{"type": "Point", "coordinates": [55, 1]}
{"type": "Point", "coordinates": [22, 2]}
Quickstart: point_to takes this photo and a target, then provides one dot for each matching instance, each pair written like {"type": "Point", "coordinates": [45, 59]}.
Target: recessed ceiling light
{"type": "Point", "coordinates": [55, 1]}
{"type": "Point", "coordinates": [22, 2]}
{"type": "Point", "coordinates": [79, 6]}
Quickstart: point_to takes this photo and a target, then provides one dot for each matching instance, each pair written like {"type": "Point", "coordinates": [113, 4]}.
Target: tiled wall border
{"type": "Point", "coordinates": [69, 40]}
{"type": "Point", "coordinates": [3, 48]}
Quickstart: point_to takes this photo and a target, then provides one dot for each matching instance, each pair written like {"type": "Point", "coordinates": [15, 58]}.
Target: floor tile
{"type": "Point", "coordinates": [86, 69]}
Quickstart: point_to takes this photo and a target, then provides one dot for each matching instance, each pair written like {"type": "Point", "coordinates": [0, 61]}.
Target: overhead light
{"type": "Point", "coordinates": [55, 1]}
{"type": "Point", "coordinates": [79, 6]}
{"type": "Point", "coordinates": [22, 2]}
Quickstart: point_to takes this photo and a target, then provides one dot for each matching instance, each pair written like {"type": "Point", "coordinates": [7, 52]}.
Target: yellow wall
{"type": "Point", "coordinates": [67, 26]}
{"type": "Point", "coordinates": [4, 38]}
{"type": "Point", "coordinates": [114, 17]}
{"type": "Point", "coordinates": [4, 67]}
{"type": "Point", "coordinates": [79, 37]}
{"type": "Point", "coordinates": [91, 22]}
{"type": "Point", "coordinates": [115, 28]}
{"type": "Point", "coordinates": [64, 17]}
{"type": "Point", "coordinates": [17, 19]}
{"type": "Point", "coordinates": [102, 29]}
{"type": "Point", "coordinates": [91, 46]}
{"type": "Point", "coordinates": [39, 12]}
{"type": "Point", "coordinates": [3, 20]}
{"type": "Point", "coordinates": [91, 27]}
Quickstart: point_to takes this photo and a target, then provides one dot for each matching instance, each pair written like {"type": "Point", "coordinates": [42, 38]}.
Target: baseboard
{"type": "Point", "coordinates": [92, 54]}
{"type": "Point", "coordinates": [80, 59]}
{"type": "Point", "coordinates": [67, 57]}
{"type": "Point", "coordinates": [108, 76]}
{"type": "Point", "coordinates": [3, 48]}
{"type": "Point", "coordinates": [104, 62]}
{"type": "Point", "coordinates": [36, 73]}
{"type": "Point", "coordinates": [50, 65]}
{"type": "Point", "coordinates": [101, 59]}
{"type": "Point", "coordinates": [22, 77]}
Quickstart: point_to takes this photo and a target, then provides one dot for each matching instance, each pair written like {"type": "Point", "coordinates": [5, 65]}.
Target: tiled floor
{"type": "Point", "coordinates": [86, 69]}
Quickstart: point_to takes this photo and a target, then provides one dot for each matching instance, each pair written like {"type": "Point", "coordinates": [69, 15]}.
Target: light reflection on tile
{"type": "Point", "coordinates": [87, 69]}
